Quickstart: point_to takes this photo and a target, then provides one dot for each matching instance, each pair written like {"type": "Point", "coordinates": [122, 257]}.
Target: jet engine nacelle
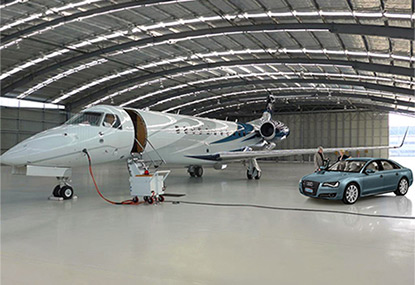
{"type": "Point", "coordinates": [273, 130]}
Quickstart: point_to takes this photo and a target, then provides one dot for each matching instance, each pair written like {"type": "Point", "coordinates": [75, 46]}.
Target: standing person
{"type": "Point", "coordinates": [342, 156]}
{"type": "Point", "coordinates": [319, 158]}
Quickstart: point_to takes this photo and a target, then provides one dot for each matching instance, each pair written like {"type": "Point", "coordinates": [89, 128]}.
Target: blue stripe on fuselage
{"type": "Point", "coordinates": [243, 130]}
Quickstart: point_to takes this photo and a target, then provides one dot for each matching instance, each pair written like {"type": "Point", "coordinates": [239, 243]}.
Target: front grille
{"type": "Point", "coordinates": [310, 185]}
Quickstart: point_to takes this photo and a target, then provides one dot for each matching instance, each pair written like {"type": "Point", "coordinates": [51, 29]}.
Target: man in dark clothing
{"type": "Point", "coordinates": [319, 159]}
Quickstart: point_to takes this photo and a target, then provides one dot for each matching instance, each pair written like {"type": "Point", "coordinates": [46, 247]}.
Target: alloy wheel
{"type": "Point", "coordinates": [403, 186]}
{"type": "Point", "coordinates": [352, 193]}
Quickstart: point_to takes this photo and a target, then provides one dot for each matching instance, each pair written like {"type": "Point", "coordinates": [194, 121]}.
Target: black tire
{"type": "Point", "coordinates": [199, 171]}
{"type": "Point", "coordinates": [249, 176]}
{"type": "Point", "coordinates": [150, 200]}
{"type": "Point", "coordinates": [135, 199]}
{"type": "Point", "coordinates": [402, 188]}
{"type": "Point", "coordinates": [55, 191]}
{"type": "Point", "coordinates": [258, 175]}
{"type": "Point", "coordinates": [66, 192]}
{"type": "Point", "coordinates": [351, 194]}
{"type": "Point", "coordinates": [145, 198]}
{"type": "Point", "coordinates": [161, 198]}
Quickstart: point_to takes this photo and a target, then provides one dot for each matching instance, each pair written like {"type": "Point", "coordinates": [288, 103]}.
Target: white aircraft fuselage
{"type": "Point", "coordinates": [174, 139]}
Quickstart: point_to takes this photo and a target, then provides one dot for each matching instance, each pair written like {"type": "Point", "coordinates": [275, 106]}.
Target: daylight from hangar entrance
{"type": "Point", "coordinates": [398, 124]}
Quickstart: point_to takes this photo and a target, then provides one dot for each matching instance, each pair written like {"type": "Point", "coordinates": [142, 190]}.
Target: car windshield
{"type": "Point", "coordinates": [86, 118]}
{"type": "Point", "coordinates": [347, 166]}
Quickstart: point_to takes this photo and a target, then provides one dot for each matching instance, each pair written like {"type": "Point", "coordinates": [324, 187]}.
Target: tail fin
{"type": "Point", "coordinates": [270, 104]}
{"type": "Point", "coordinates": [266, 116]}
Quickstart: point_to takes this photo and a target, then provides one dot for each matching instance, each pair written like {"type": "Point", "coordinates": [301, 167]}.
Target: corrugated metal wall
{"type": "Point", "coordinates": [18, 124]}
{"type": "Point", "coordinates": [336, 129]}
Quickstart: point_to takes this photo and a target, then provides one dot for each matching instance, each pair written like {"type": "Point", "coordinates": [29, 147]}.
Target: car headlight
{"type": "Point", "coordinates": [331, 184]}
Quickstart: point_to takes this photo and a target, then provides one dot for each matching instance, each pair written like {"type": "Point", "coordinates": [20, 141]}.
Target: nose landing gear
{"type": "Point", "coordinates": [62, 191]}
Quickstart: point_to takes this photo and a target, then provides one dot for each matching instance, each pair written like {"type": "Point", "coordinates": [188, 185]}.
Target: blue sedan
{"type": "Point", "coordinates": [352, 178]}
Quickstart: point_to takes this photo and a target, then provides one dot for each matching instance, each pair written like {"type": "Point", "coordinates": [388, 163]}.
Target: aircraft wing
{"type": "Point", "coordinates": [244, 155]}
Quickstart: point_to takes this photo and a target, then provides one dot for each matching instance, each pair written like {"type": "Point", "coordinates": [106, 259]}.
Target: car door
{"type": "Point", "coordinates": [390, 175]}
{"type": "Point", "coordinates": [372, 182]}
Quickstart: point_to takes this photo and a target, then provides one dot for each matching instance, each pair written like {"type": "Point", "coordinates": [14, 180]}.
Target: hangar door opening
{"type": "Point", "coordinates": [397, 128]}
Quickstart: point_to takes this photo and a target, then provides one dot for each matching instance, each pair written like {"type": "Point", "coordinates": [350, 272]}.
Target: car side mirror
{"type": "Point", "coordinates": [370, 171]}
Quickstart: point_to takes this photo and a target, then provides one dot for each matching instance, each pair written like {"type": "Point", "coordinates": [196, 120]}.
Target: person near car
{"type": "Point", "coordinates": [319, 158]}
{"type": "Point", "coordinates": [342, 156]}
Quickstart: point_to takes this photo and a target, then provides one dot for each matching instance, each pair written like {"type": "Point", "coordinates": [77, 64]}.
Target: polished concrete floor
{"type": "Point", "coordinates": [87, 241]}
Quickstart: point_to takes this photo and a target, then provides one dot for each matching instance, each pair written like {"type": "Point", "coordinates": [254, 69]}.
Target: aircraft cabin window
{"type": "Point", "coordinates": [85, 118]}
{"type": "Point", "coordinates": [111, 120]}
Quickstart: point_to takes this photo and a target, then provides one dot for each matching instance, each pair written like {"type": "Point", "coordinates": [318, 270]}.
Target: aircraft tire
{"type": "Point", "coordinates": [199, 171]}
{"type": "Point", "coordinates": [66, 192]}
{"type": "Point", "coordinates": [55, 191]}
{"type": "Point", "coordinates": [258, 175]}
{"type": "Point", "coordinates": [248, 175]}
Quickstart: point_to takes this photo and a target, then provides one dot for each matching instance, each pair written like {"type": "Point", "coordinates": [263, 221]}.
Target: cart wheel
{"type": "Point", "coordinates": [161, 198]}
{"type": "Point", "coordinates": [150, 200]}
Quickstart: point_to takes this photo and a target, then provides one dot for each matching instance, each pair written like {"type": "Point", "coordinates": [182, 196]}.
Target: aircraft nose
{"type": "Point", "coordinates": [14, 156]}
{"type": "Point", "coordinates": [37, 148]}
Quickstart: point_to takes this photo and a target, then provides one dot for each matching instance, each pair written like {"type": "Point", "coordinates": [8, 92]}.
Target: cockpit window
{"type": "Point", "coordinates": [86, 118]}
{"type": "Point", "coordinates": [111, 120]}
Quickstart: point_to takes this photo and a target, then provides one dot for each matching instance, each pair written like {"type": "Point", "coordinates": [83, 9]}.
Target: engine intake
{"type": "Point", "coordinates": [272, 130]}
{"type": "Point", "coordinates": [267, 130]}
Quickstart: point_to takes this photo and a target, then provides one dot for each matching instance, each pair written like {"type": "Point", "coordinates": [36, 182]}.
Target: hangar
{"type": "Point", "coordinates": [341, 75]}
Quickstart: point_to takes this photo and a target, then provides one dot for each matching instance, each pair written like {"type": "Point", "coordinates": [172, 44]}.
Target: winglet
{"type": "Point", "coordinates": [403, 139]}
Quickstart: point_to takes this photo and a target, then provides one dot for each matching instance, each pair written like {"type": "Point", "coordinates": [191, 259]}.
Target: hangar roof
{"type": "Point", "coordinates": [212, 57]}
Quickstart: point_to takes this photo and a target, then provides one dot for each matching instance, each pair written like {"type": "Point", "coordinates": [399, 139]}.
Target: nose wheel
{"type": "Point", "coordinates": [65, 192]}
{"type": "Point", "coordinates": [62, 191]}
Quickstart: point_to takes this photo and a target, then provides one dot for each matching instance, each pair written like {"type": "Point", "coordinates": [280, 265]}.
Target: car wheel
{"type": "Point", "coordinates": [351, 194]}
{"type": "Point", "coordinates": [403, 187]}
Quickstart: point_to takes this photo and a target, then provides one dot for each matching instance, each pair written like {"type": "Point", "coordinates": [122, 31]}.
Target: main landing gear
{"type": "Point", "coordinates": [195, 171]}
{"type": "Point", "coordinates": [253, 169]}
{"type": "Point", "coordinates": [63, 190]}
